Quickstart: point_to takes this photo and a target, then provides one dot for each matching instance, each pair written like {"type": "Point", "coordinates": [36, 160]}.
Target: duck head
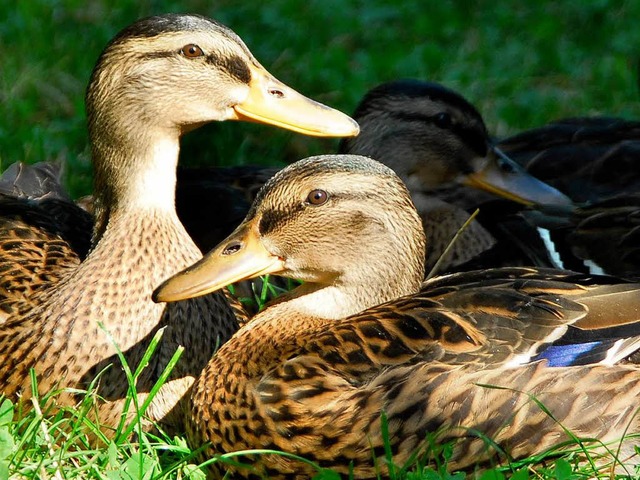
{"type": "Point", "coordinates": [433, 137]}
{"type": "Point", "coordinates": [339, 221]}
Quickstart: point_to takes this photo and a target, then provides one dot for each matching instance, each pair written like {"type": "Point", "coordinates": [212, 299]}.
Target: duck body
{"type": "Point", "coordinates": [467, 356]}
{"type": "Point", "coordinates": [590, 159]}
{"type": "Point", "coordinates": [594, 161]}
{"type": "Point", "coordinates": [65, 285]}
{"type": "Point", "coordinates": [81, 341]}
{"type": "Point", "coordinates": [157, 79]}
{"type": "Point", "coordinates": [315, 401]}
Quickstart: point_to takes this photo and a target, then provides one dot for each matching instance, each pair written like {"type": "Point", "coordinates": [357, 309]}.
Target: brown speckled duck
{"type": "Point", "coordinates": [313, 372]}
{"type": "Point", "coordinates": [157, 79]}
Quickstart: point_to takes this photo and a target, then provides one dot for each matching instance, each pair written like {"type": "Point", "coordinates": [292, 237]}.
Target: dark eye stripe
{"type": "Point", "coordinates": [233, 65]}
{"type": "Point", "coordinates": [273, 219]}
{"type": "Point", "coordinates": [472, 137]}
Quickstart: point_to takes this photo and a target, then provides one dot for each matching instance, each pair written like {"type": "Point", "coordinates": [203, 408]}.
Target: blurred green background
{"type": "Point", "coordinates": [521, 63]}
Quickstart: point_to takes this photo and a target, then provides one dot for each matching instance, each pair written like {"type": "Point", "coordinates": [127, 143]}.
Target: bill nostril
{"type": "Point", "coordinates": [276, 92]}
{"type": "Point", "coordinates": [232, 248]}
{"type": "Point", "coordinates": [506, 167]}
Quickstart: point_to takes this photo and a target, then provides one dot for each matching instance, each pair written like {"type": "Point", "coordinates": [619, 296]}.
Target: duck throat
{"type": "Point", "coordinates": [134, 172]}
{"type": "Point", "coordinates": [346, 297]}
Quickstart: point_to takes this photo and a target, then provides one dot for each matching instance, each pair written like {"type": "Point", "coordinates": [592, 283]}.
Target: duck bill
{"type": "Point", "coordinates": [272, 102]}
{"type": "Point", "coordinates": [503, 177]}
{"type": "Point", "coordinates": [240, 256]}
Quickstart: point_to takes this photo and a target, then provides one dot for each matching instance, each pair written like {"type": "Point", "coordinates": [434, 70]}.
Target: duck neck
{"type": "Point", "coordinates": [354, 291]}
{"type": "Point", "coordinates": [329, 302]}
{"type": "Point", "coordinates": [134, 173]}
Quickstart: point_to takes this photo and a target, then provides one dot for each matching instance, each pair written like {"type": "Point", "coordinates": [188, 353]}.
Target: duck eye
{"type": "Point", "coordinates": [443, 120]}
{"type": "Point", "coordinates": [192, 51]}
{"type": "Point", "coordinates": [317, 197]}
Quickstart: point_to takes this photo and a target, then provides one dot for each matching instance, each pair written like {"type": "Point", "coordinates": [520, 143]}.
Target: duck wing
{"type": "Point", "coordinates": [43, 235]}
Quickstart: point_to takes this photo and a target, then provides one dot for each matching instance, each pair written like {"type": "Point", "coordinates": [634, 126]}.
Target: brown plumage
{"type": "Point", "coordinates": [44, 234]}
{"type": "Point", "coordinates": [313, 372]}
{"type": "Point", "coordinates": [157, 79]}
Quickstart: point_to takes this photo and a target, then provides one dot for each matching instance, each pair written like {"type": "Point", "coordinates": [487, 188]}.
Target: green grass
{"type": "Point", "coordinates": [40, 440]}
{"type": "Point", "coordinates": [522, 63]}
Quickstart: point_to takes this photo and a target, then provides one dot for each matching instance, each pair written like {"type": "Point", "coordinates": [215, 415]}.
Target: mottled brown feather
{"type": "Point", "coordinates": [455, 358]}
{"type": "Point", "coordinates": [318, 388]}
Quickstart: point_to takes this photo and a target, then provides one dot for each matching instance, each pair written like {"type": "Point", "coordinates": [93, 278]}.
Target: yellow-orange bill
{"type": "Point", "coordinates": [240, 256]}
{"type": "Point", "coordinates": [272, 102]}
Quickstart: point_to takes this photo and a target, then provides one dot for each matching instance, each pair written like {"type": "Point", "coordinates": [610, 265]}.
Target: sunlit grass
{"type": "Point", "coordinates": [40, 439]}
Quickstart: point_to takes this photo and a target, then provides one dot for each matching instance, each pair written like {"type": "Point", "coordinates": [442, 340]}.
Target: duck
{"type": "Point", "coordinates": [365, 345]}
{"type": "Point", "coordinates": [156, 80]}
{"type": "Point", "coordinates": [438, 143]}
